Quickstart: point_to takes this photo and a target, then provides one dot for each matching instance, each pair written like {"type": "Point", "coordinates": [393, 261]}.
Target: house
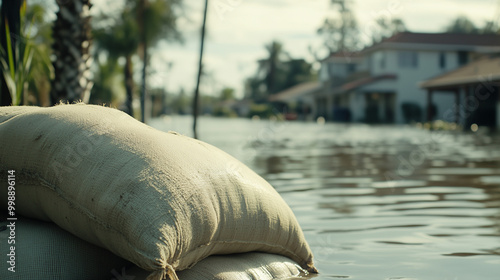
{"type": "Point", "coordinates": [380, 84]}
{"type": "Point", "coordinates": [475, 89]}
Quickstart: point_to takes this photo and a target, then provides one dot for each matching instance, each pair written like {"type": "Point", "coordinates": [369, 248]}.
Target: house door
{"type": "Point", "coordinates": [372, 108]}
{"type": "Point", "coordinates": [379, 107]}
{"type": "Point", "coordinates": [389, 103]}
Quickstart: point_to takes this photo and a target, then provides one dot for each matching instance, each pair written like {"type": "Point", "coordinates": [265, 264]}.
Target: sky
{"type": "Point", "coordinates": [238, 30]}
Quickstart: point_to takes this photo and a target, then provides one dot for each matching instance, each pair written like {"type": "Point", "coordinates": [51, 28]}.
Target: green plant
{"type": "Point", "coordinates": [16, 65]}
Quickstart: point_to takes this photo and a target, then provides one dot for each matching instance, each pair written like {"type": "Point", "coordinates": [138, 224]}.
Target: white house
{"type": "Point", "coordinates": [380, 83]}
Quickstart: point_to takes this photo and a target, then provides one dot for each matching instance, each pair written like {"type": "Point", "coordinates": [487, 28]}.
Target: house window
{"type": "Point", "coordinates": [379, 59]}
{"type": "Point", "coordinates": [463, 58]}
{"type": "Point", "coordinates": [442, 60]}
{"type": "Point", "coordinates": [407, 59]}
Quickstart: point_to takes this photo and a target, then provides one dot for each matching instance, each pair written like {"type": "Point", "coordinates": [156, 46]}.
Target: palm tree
{"type": "Point", "coordinates": [272, 65]}
{"type": "Point", "coordinates": [142, 24]}
{"type": "Point", "coordinates": [200, 69]}
{"type": "Point", "coordinates": [72, 41]}
{"type": "Point", "coordinates": [157, 20]}
{"type": "Point", "coordinates": [121, 40]}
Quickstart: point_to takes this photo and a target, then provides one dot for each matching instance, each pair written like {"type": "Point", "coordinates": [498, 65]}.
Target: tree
{"type": "Point", "coordinates": [71, 49]}
{"type": "Point", "coordinates": [108, 82]}
{"type": "Point", "coordinates": [200, 70]}
{"type": "Point", "coordinates": [157, 20]}
{"type": "Point", "coordinates": [120, 40]}
{"type": "Point", "coordinates": [280, 71]}
{"type": "Point", "coordinates": [386, 28]}
{"type": "Point", "coordinates": [277, 72]}
{"type": "Point", "coordinates": [270, 73]}
{"type": "Point", "coordinates": [465, 26]}
{"type": "Point", "coordinates": [490, 27]}
{"type": "Point", "coordinates": [272, 66]}
{"type": "Point", "coordinates": [227, 94]}
{"type": "Point", "coordinates": [340, 32]}
{"type": "Point", "coordinates": [462, 25]}
{"type": "Point", "coordinates": [297, 71]}
{"type": "Point", "coordinates": [255, 89]}
{"type": "Point", "coordinates": [123, 38]}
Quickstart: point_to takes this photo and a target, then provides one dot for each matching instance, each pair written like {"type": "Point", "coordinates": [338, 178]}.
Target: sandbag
{"type": "Point", "coordinates": [160, 200]}
{"type": "Point", "coordinates": [45, 251]}
{"type": "Point", "coordinates": [245, 266]}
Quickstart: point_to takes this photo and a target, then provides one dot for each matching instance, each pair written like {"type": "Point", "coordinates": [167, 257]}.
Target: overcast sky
{"type": "Point", "coordinates": [239, 29]}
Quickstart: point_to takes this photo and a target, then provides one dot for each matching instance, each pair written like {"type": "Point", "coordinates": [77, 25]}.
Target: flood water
{"type": "Point", "coordinates": [385, 202]}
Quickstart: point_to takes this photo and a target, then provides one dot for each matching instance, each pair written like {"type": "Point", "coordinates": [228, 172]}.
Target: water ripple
{"type": "Point", "coordinates": [382, 202]}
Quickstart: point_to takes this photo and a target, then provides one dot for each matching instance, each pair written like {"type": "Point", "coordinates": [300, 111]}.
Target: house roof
{"type": "Point", "coordinates": [445, 38]}
{"type": "Point", "coordinates": [479, 71]}
{"type": "Point", "coordinates": [423, 41]}
{"type": "Point", "coordinates": [363, 82]}
{"type": "Point", "coordinates": [295, 91]}
{"type": "Point", "coordinates": [444, 41]}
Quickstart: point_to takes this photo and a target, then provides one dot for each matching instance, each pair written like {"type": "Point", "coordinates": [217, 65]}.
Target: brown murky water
{"type": "Point", "coordinates": [386, 202]}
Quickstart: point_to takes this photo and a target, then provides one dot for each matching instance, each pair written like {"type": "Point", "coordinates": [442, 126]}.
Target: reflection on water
{"type": "Point", "coordinates": [377, 202]}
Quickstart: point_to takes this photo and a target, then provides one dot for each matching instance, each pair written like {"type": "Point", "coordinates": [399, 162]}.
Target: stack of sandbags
{"type": "Point", "coordinates": [160, 200]}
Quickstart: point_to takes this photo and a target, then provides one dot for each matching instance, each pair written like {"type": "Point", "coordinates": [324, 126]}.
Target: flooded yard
{"type": "Point", "coordinates": [384, 202]}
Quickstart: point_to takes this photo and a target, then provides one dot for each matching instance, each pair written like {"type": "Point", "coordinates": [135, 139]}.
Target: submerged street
{"type": "Point", "coordinates": [377, 202]}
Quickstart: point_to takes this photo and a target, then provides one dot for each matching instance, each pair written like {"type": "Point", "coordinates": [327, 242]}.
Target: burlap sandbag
{"type": "Point", "coordinates": [246, 266]}
{"type": "Point", "coordinates": [44, 251]}
{"type": "Point", "coordinates": [161, 200]}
